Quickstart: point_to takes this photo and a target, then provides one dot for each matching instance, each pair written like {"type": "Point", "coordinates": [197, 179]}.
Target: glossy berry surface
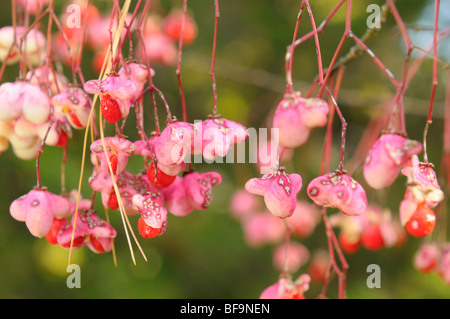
{"type": "Point", "coordinates": [162, 180]}
{"type": "Point", "coordinates": [372, 238]}
{"type": "Point", "coordinates": [147, 231]}
{"type": "Point", "coordinates": [347, 245]}
{"type": "Point", "coordinates": [57, 225]}
{"type": "Point", "coordinates": [110, 109]}
{"type": "Point", "coordinates": [97, 244]}
{"type": "Point", "coordinates": [421, 222]}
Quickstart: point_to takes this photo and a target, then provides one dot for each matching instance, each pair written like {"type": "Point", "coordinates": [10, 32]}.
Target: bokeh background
{"type": "Point", "coordinates": [204, 255]}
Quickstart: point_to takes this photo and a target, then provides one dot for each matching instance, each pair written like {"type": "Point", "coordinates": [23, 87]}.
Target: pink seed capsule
{"type": "Point", "coordinates": [90, 230]}
{"type": "Point", "coordinates": [427, 257]}
{"type": "Point", "coordinates": [422, 182]}
{"type": "Point", "coordinates": [138, 74]}
{"type": "Point", "coordinates": [314, 112]}
{"type": "Point", "coordinates": [261, 228]}
{"type": "Point", "coordinates": [74, 104]}
{"type": "Point", "coordinates": [386, 158]}
{"type": "Point", "coordinates": [118, 149]}
{"type": "Point", "coordinates": [279, 190]}
{"type": "Point", "coordinates": [152, 211]}
{"type": "Point", "coordinates": [172, 145]}
{"type": "Point", "coordinates": [287, 118]}
{"type": "Point", "coordinates": [114, 88]}
{"type": "Point", "coordinates": [199, 188]}
{"type": "Point", "coordinates": [290, 257]}
{"type": "Point", "coordinates": [38, 208]}
{"type": "Point", "coordinates": [286, 288]}
{"type": "Point", "coordinates": [176, 199]}
{"type": "Point", "coordinates": [216, 136]}
{"type": "Point", "coordinates": [338, 190]}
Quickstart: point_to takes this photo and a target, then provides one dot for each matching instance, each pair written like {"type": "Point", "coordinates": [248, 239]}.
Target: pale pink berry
{"type": "Point", "coordinates": [74, 104]}
{"type": "Point", "coordinates": [314, 112]}
{"type": "Point", "coordinates": [138, 74]}
{"type": "Point", "coordinates": [172, 145]}
{"type": "Point", "coordinates": [216, 136]}
{"type": "Point", "coordinates": [25, 148]}
{"type": "Point", "coordinates": [118, 150]}
{"type": "Point", "coordinates": [151, 208]}
{"type": "Point", "coordinates": [319, 265]}
{"type": "Point", "coordinates": [262, 228]}
{"type": "Point", "coordinates": [286, 288]}
{"type": "Point", "coordinates": [199, 188]}
{"type": "Point", "coordinates": [32, 6]}
{"type": "Point", "coordinates": [388, 155]}
{"type": "Point", "coordinates": [24, 128]}
{"type": "Point", "coordinates": [422, 182]}
{"type": "Point", "coordinates": [21, 97]}
{"type": "Point", "coordinates": [38, 208]}
{"type": "Point", "coordinates": [427, 257]}
{"type": "Point", "coordinates": [279, 190]}
{"type": "Point", "coordinates": [58, 134]}
{"type": "Point", "coordinates": [90, 230]}
{"type": "Point", "coordinates": [304, 220]}
{"type": "Point", "coordinates": [98, 27]}
{"type": "Point", "coordinates": [243, 203]}
{"type": "Point", "coordinates": [289, 258]}
{"type": "Point", "coordinates": [33, 46]}
{"type": "Point", "coordinates": [267, 156]}
{"type": "Point", "coordinates": [128, 185]}
{"type": "Point", "coordinates": [119, 90]}
{"type": "Point", "coordinates": [287, 119]}
{"type": "Point", "coordinates": [160, 49]}
{"type": "Point", "coordinates": [176, 200]}
{"type": "Point", "coordinates": [46, 78]}
{"type": "Point", "coordinates": [444, 265]}
{"type": "Point", "coordinates": [338, 190]}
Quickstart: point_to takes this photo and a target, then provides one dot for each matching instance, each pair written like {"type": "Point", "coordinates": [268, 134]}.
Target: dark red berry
{"type": "Point", "coordinates": [162, 180]}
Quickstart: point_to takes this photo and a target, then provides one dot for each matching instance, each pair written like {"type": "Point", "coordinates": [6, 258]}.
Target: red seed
{"type": "Point", "coordinates": [77, 242]}
{"type": "Point", "coordinates": [162, 179]}
{"type": "Point", "coordinates": [97, 244]}
{"type": "Point", "coordinates": [421, 222]}
{"type": "Point", "coordinates": [113, 161]}
{"type": "Point", "coordinates": [110, 109]}
{"type": "Point", "coordinates": [57, 225]}
{"type": "Point", "coordinates": [112, 201]}
{"type": "Point", "coordinates": [147, 231]}
{"type": "Point", "coordinates": [371, 238]}
{"type": "Point", "coordinates": [349, 246]}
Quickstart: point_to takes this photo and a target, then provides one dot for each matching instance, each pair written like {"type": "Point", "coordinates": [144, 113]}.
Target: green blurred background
{"type": "Point", "coordinates": [204, 255]}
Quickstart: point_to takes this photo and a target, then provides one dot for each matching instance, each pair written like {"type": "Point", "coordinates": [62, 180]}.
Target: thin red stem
{"type": "Point", "coordinates": [178, 70]}
{"type": "Point", "coordinates": [213, 56]}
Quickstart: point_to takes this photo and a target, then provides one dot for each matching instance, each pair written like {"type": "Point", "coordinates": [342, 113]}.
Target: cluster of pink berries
{"type": "Point", "coordinates": [158, 188]}
{"type": "Point", "coordinates": [160, 34]}
{"type": "Point", "coordinates": [361, 224]}
{"type": "Point", "coordinates": [44, 108]}
{"type": "Point", "coordinates": [434, 257]}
